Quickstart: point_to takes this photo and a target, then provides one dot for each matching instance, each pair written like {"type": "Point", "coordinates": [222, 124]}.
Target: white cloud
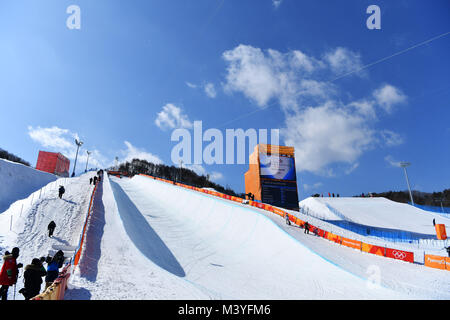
{"type": "Point", "coordinates": [352, 168]}
{"type": "Point", "coordinates": [388, 96]}
{"type": "Point", "coordinates": [56, 139]}
{"type": "Point", "coordinates": [133, 152]}
{"type": "Point", "coordinates": [210, 90]}
{"type": "Point", "coordinates": [172, 117]}
{"type": "Point", "coordinates": [314, 186]}
{"type": "Point", "coordinates": [262, 76]}
{"type": "Point", "coordinates": [389, 159]}
{"type": "Point", "coordinates": [343, 60]}
{"type": "Point", "coordinates": [191, 85]}
{"type": "Point", "coordinates": [53, 137]}
{"type": "Point", "coordinates": [327, 134]}
{"type": "Point", "coordinates": [276, 3]}
{"type": "Point", "coordinates": [391, 138]}
{"type": "Point", "coordinates": [323, 128]}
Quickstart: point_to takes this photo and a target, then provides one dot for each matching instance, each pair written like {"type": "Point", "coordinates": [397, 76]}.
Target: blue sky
{"type": "Point", "coordinates": [352, 101]}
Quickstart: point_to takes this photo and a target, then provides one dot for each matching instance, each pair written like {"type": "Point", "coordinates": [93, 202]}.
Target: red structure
{"type": "Point", "coordinates": [53, 162]}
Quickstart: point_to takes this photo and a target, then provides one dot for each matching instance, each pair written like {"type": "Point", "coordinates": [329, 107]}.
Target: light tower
{"type": "Point", "coordinates": [79, 144]}
{"type": "Point", "coordinates": [404, 165]}
{"type": "Point", "coordinates": [87, 161]}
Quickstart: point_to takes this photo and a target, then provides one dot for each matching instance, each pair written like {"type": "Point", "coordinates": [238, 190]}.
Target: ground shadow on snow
{"type": "Point", "coordinates": [77, 294]}
{"type": "Point", "coordinates": [88, 264]}
{"type": "Point", "coordinates": [142, 234]}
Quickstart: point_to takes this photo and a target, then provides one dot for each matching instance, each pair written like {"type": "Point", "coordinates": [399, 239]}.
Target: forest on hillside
{"type": "Point", "coordinates": [421, 198]}
{"type": "Point", "coordinates": [181, 175]}
{"type": "Point", "coordinates": [12, 157]}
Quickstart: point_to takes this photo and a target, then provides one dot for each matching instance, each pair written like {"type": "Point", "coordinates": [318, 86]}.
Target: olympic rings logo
{"type": "Point", "coordinates": [399, 254]}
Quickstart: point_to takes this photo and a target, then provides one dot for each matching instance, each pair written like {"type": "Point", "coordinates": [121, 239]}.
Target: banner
{"type": "Point", "coordinates": [400, 255]}
{"type": "Point", "coordinates": [440, 232]}
{"type": "Point", "coordinates": [334, 237]}
{"type": "Point", "coordinates": [351, 243]}
{"type": "Point", "coordinates": [369, 248]}
{"type": "Point", "coordinates": [437, 262]}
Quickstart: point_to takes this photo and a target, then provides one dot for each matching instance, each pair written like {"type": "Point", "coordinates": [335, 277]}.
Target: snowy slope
{"type": "Point", "coordinates": [30, 221]}
{"type": "Point", "coordinates": [151, 240]}
{"type": "Point", "coordinates": [206, 247]}
{"type": "Point", "coordinates": [376, 212]}
{"type": "Point", "coordinates": [18, 181]}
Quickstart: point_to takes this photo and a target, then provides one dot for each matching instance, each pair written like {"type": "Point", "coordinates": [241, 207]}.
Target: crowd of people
{"type": "Point", "coordinates": [33, 273]}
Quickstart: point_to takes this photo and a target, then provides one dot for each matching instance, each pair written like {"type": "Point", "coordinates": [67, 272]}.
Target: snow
{"type": "Point", "coordinates": [202, 247]}
{"type": "Point", "coordinates": [18, 181]}
{"type": "Point", "coordinates": [388, 218]}
{"type": "Point", "coordinates": [377, 212]}
{"type": "Point", "coordinates": [147, 239]}
{"type": "Point", "coordinates": [30, 221]}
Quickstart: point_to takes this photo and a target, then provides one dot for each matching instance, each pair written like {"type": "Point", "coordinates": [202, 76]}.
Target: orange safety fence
{"type": "Point", "coordinates": [78, 252]}
{"type": "Point", "coordinates": [365, 247]}
{"type": "Point", "coordinates": [369, 248]}
{"type": "Point", "coordinates": [351, 243]}
{"type": "Point", "coordinates": [334, 237]}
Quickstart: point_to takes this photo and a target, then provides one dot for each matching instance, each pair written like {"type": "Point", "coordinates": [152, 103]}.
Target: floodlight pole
{"type": "Point", "coordinates": [404, 165]}
{"type": "Point", "coordinates": [87, 161]}
{"type": "Point", "coordinates": [78, 143]}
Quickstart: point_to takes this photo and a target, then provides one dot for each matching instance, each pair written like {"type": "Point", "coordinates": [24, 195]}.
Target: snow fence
{"type": "Point", "coordinates": [58, 288]}
{"type": "Point", "coordinates": [396, 254]}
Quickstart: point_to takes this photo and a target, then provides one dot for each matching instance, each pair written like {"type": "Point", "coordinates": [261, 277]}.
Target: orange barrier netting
{"type": "Point", "coordinates": [364, 247]}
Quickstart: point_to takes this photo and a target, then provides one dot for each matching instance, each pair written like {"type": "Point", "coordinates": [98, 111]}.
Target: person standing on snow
{"type": "Point", "coordinates": [51, 228]}
{"type": "Point", "coordinates": [33, 279]}
{"type": "Point", "coordinates": [288, 222]}
{"type": "Point", "coordinates": [9, 272]}
{"type": "Point", "coordinates": [61, 191]}
{"type": "Point", "coordinates": [306, 227]}
{"type": "Point", "coordinates": [53, 265]}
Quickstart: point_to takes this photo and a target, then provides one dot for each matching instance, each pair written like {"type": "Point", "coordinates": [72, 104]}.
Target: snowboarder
{"type": "Point", "coordinates": [61, 191]}
{"type": "Point", "coordinates": [51, 228]}
{"type": "Point", "coordinates": [9, 272]}
{"type": "Point", "coordinates": [95, 180]}
{"type": "Point", "coordinates": [288, 222]}
{"type": "Point", "coordinates": [434, 222]}
{"type": "Point", "coordinates": [53, 265]}
{"type": "Point", "coordinates": [306, 227]}
{"type": "Point", "coordinates": [33, 279]}
{"type": "Point", "coordinates": [90, 181]}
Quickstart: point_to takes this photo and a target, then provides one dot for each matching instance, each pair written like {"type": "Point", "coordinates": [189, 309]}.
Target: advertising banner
{"type": "Point", "coordinates": [351, 243]}
{"type": "Point", "coordinates": [400, 255]}
{"type": "Point", "coordinates": [433, 261]}
{"type": "Point", "coordinates": [369, 248]}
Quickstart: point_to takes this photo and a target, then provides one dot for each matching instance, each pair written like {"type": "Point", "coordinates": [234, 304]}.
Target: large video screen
{"type": "Point", "coordinates": [280, 167]}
